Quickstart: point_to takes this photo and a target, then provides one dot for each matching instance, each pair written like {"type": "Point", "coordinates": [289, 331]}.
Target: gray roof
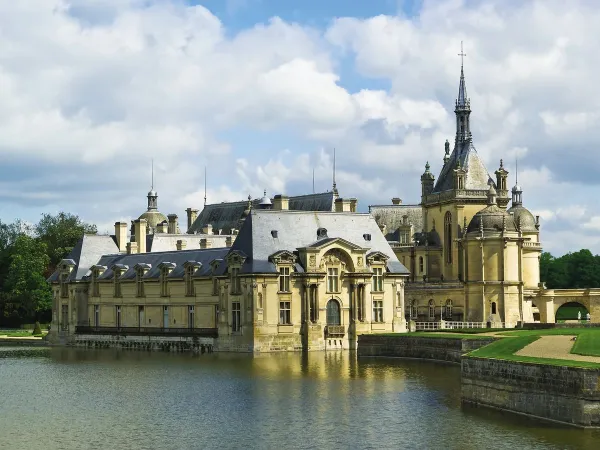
{"type": "Point", "coordinates": [523, 218]}
{"type": "Point", "coordinates": [298, 229]}
{"type": "Point", "coordinates": [492, 218]}
{"type": "Point", "coordinates": [163, 242]}
{"type": "Point", "coordinates": [225, 216]}
{"type": "Point", "coordinates": [86, 253]}
{"type": "Point", "coordinates": [476, 177]}
{"type": "Point", "coordinates": [392, 216]}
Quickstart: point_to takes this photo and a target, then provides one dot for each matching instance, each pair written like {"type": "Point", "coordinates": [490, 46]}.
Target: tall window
{"type": "Point", "coordinates": [431, 309]}
{"type": "Point", "coordinates": [191, 316]}
{"type": "Point", "coordinates": [284, 279]}
{"type": "Point", "coordinates": [164, 284]}
{"type": "Point", "coordinates": [285, 313]}
{"type": "Point", "coordinates": [236, 285]}
{"type": "Point", "coordinates": [414, 310]}
{"type": "Point", "coordinates": [117, 283]}
{"type": "Point", "coordinates": [421, 264]}
{"type": "Point", "coordinates": [236, 316]}
{"type": "Point", "coordinates": [189, 280]}
{"type": "Point", "coordinates": [448, 309]}
{"type": "Point", "coordinates": [95, 285]}
{"type": "Point", "coordinates": [448, 237]}
{"type": "Point", "coordinates": [377, 310]}
{"type": "Point", "coordinates": [139, 280]}
{"type": "Point", "coordinates": [359, 302]}
{"type": "Point", "coordinates": [377, 279]}
{"type": "Point", "coordinates": [96, 315]}
{"type": "Point", "coordinates": [165, 316]}
{"type": "Point", "coordinates": [333, 279]}
{"type": "Point", "coordinates": [334, 316]}
{"type": "Point", "coordinates": [64, 287]}
{"type": "Point", "coordinates": [118, 316]}
{"type": "Point", "coordinates": [215, 282]}
{"type": "Point", "coordinates": [404, 236]}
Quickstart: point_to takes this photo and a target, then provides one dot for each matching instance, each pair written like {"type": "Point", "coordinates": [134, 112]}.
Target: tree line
{"type": "Point", "coordinates": [29, 254]}
{"type": "Point", "coordinates": [578, 270]}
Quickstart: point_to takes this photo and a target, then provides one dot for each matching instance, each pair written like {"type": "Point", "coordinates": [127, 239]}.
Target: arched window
{"type": "Point", "coordinates": [448, 309]}
{"type": "Point", "coordinates": [431, 309]}
{"type": "Point", "coordinates": [413, 310]}
{"type": "Point", "coordinates": [448, 237]}
{"type": "Point", "coordinates": [333, 312]}
{"type": "Point", "coordinates": [494, 308]}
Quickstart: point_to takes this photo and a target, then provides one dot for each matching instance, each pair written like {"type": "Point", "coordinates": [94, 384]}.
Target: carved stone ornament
{"type": "Point", "coordinates": [359, 261]}
{"type": "Point", "coordinates": [312, 261]}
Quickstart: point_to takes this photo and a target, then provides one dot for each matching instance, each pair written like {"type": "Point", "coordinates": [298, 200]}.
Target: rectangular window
{"type": "Point", "coordinates": [236, 316]}
{"type": "Point", "coordinates": [64, 287]}
{"type": "Point", "coordinates": [164, 286]}
{"type": "Point", "coordinates": [332, 280]}
{"type": "Point", "coordinates": [140, 283]}
{"type": "Point", "coordinates": [215, 286]}
{"type": "Point", "coordinates": [284, 279]}
{"type": "Point", "coordinates": [191, 316]}
{"type": "Point", "coordinates": [189, 280]}
{"type": "Point", "coordinates": [165, 317]}
{"type": "Point", "coordinates": [117, 283]}
{"type": "Point", "coordinates": [96, 315]}
{"type": "Point", "coordinates": [236, 285]}
{"type": "Point", "coordinates": [118, 316]}
{"type": "Point", "coordinates": [377, 279]}
{"type": "Point", "coordinates": [141, 321]}
{"type": "Point", "coordinates": [285, 313]}
{"type": "Point", "coordinates": [377, 310]}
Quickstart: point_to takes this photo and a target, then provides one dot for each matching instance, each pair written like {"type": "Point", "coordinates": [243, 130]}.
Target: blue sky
{"type": "Point", "coordinates": [261, 91]}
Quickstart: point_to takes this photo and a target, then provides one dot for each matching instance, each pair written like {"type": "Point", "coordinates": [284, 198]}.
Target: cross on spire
{"type": "Point", "coordinates": [462, 54]}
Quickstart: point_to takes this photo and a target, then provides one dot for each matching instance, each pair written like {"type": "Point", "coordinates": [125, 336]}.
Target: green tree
{"type": "Point", "coordinates": [61, 233]}
{"type": "Point", "coordinates": [26, 293]}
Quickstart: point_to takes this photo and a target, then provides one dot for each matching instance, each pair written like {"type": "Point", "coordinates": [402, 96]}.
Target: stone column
{"type": "Point", "coordinates": [401, 298]}
{"type": "Point", "coordinates": [317, 305]}
{"type": "Point", "coordinates": [306, 302]}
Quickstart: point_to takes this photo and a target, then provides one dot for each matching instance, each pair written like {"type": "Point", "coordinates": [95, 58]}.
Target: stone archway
{"type": "Point", "coordinates": [569, 311]}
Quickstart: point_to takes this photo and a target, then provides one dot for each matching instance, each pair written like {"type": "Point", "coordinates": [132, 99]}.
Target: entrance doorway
{"type": "Point", "coordinates": [333, 312]}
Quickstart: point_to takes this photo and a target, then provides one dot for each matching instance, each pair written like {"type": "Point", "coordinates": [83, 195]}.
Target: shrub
{"type": "Point", "coordinates": [37, 329]}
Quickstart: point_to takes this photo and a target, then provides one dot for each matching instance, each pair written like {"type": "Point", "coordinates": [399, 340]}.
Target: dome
{"type": "Point", "coordinates": [427, 175]}
{"type": "Point", "coordinates": [153, 218]}
{"type": "Point", "coordinates": [152, 193]}
{"type": "Point", "coordinates": [492, 218]}
{"type": "Point", "coordinates": [524, 218]}
{"type": "Point", "coordinates": [265, 202]}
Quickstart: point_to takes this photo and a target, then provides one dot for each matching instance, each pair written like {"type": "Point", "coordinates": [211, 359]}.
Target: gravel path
{"type": "Point", "coordinates": [556, 347]}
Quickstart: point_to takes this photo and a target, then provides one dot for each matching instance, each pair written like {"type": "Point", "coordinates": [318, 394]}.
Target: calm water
{"type": "Point", "coordinates": [66, 398]}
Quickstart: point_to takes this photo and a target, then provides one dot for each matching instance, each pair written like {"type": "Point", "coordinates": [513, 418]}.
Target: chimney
{"type": "Point", "coordinates": [281, 203]}
{"type": "Point", "coordinates": [172, 223]}
{"type": "Point", "coordinates": [383, 228]}
{"type": "Point", "coordinates": [121, 235]}
{"type": "Point", "coordinates": [342, 205]}
{"type": "Point", "coordinates": [140, 234]}
{"type": "Point", "coordinates": [181, 244]}
{"type": "Point", "coordinates": [353, 204]}
{"type": "Point", "coordinates": [131, 248]}
{"type": "Point", "coordinates": [396, 201]}
{"type": "Point", "coordinates": [234, 231]}
{"type": "Point", "coordinates": [207, 229]}
{"type": "Point", "coordinates": [192, 215]}
{"type": "Point", "coordinates": [162, 227]}
{"type": "Point", "coordinates": [204, 243]}
{"type": "Point", "coordinates": [228, 241]}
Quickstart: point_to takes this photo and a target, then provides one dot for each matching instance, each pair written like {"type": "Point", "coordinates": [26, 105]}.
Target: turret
{"type": "Point", "coordinates": [427, 181]}
{"type": "Point", "coordinates": [459, 176]}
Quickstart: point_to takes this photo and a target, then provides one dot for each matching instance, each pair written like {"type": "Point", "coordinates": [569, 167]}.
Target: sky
{"type": "Point", "coordinates": [260, 92]}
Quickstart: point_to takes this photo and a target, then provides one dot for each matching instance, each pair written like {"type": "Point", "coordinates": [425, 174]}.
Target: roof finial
{"type": "Point", "coordinates": [204, 185]}
{"type": "Point", "coordinates": [516, 169]}
{"type": "Point", "coordinates": [462, 100]}
{"type": "Point", "coordinates": [335, 191]}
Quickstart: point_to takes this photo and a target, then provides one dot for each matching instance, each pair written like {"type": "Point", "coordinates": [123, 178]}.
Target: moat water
{"type": "Point", "coordinates": [80, 399]}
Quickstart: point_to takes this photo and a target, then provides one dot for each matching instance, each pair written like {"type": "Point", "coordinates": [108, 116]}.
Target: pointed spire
{"type": "Point", "coordinates": [152, 185]}
{"type": "Point", "coordinates": [462, 107]}
{"type": "Point", "coordinates": [517, 192]}
{"type": "Point", "coordinates": [462, 88]}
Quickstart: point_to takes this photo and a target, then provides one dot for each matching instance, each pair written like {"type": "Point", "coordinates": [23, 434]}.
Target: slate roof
{"type": "Point", "coordinates": [297, 229]}
{"type": "Point", "coordinates": [86, 253]}
{"type": "Point", "coordinates": [476, 177]}
{"type": "Point", "coordinates": [225, 216]}
{"type": "Point", "coordinates": [392, 216]}
{"type": "Point", "coordinates": [163, 242]}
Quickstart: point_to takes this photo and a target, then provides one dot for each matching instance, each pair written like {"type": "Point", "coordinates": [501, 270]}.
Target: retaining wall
{"type": "Point", "coordinates": [148, 343]}
{"type": "Point", "coordinates": [565, 394]}
{"type": "Point", "coordinates": [442, 349]}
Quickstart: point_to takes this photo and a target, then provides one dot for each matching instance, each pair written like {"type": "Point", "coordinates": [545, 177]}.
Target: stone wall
{"type": "Point", "coordinates": [442, 349]}
{"type": "Point", "coordinates": [564, 394]}
{"type": "Point", "coordinates": [147, 343]}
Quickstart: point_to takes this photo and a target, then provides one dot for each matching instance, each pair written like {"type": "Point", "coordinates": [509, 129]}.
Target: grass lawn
{"type": "Point", "coordinates": [20, 333]}
{"type": "Point", "coordinates": [506, 348]}
{"type": "Point", "coordinates": [587, 344]}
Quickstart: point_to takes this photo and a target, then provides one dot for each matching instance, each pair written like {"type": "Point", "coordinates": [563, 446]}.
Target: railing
{"type": "Point", "coordinates": [421, 326]}
{"type": "Point", "coordinates": [437, 325]}
{"type": "Point", "coordinates": [452, 325]}
{"type": "Point", "coordinates": [154, 331]}
{"type": "Point", "coordinates": [335, 330]}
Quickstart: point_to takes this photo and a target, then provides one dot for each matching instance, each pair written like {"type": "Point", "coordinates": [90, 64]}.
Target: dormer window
{"type": "Point", "coordinates": [139, 280]}
{"type": "Point", "coordinates": [236, 284]}
{"type": "Point", "coordinates": [189, 280]}
{"type": "Point", "coordinates": [284, 279]}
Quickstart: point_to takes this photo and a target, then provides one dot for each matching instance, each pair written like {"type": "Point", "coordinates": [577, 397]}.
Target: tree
{"type": "Point", "coordinates": [61, 233]}
{"type": "Point", "coordinates": [26, 293]}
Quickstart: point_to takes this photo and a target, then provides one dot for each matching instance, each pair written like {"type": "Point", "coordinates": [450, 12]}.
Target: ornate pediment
{"type": "Point", "coordinates": [236, 258]}
{"type": "Point", "coordinates": [377, 257]}
{"type": "Point", "coordinates": [214, 264]}
{"type": "Point", "coordinates": [337, 257]}
{"type": "Point", "coordinates": [283, 257]}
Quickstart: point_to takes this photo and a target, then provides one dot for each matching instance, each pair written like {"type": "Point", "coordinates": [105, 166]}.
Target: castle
{"type": "Point", "coordinates": [310, 272]}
